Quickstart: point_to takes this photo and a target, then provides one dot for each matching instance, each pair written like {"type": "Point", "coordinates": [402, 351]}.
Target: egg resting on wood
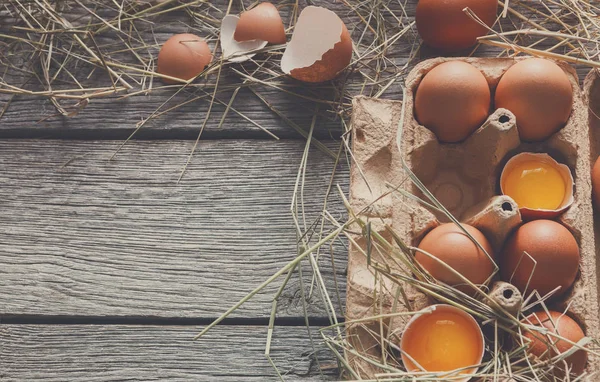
{"type": "Point", "coordinates": [444, 25]}
{"type": "Point", "coordinates": [183, 56]}
{"type": "Point", "coordinates": [262, 22]}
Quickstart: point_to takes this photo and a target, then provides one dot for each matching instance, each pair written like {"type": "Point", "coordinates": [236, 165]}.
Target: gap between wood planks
{"type": "Point", "coordinates": [69, 134]}
{"type": "Point", "coordinates": [21, 319]}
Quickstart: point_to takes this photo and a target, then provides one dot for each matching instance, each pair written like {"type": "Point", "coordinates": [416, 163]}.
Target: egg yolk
{"type": "Point", "coordinates": [535, 185]}
{"type": "Point", "coordinates": [442, 341]}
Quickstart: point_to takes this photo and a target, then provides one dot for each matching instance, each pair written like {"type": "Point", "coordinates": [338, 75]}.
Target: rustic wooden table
{"type": "Point", "coordinates": [108, 268]}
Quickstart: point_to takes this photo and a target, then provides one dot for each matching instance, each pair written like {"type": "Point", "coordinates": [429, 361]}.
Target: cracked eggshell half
{"type": "Point", "coordinates": [262, 22]}
{"type": "Point", "coordinates": [232, 50]}
{"type": "Point", "coordinates": [519, 174]}
{"type": "Point", "coordinates": [320, 47]}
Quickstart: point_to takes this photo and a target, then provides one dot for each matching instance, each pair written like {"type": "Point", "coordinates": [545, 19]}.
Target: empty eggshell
{"type": "Point", "coordinates": [320, 47]}
{"type": "Point", "coordinates": [262, 22]}
{"type": "Point", "coordinates": [562, 169]}
{"type": "Point", "coordinates": [183, 56]}
{"type": "Point", "coordinates": [232, 50]}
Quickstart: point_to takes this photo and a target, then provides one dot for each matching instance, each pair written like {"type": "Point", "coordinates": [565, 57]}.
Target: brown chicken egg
{"type": "Point", "coordinates": [262, 22]}
{"type": "Point", "coordinates": [183, 56]}
{"type": "Point", "coordinates": [545, 346]}
{"type": "Point", "coordinates": [451, 245]}
{"type": "Point", "coordinates": [554, 260]}
{"type": "Point", "coordinates": [539, 94]}
{"type": "Point", "coordinates": [444, 25]}
{"type": "Point", "coordinates": [596, 184]}
{"type": "Point", "coordinates": [452, 100]}
{"type": "Point", "coordinates": [320, 47]}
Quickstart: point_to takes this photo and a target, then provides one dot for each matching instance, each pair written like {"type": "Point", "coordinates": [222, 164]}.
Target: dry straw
{"type": "Point", "coordinates": [72, 52]}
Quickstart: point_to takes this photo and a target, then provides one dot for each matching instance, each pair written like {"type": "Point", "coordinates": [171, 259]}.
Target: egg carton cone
{"type": "Point", "coordinates": [464, 177]}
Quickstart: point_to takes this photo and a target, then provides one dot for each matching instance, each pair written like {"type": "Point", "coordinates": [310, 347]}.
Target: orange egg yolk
{"type": "Point", "coordinates": [442, 341]}
{"type": "Point", "coordinates": [535, 185]}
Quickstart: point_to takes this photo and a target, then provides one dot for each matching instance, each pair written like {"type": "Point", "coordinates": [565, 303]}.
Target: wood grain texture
{"type": "Point", "coordinates": [117, 119]}
{"type": "Point", "coordinates": [102, 353]}
{"type": "Point", "coordinates": [82, 235]}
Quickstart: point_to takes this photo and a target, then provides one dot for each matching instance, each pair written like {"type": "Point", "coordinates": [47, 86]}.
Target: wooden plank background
{"type": "Point", "coordinates": [89, 236]}
{"type": "Point", "coordinates": [108, 268]}
{"type": "Point", "coordinates": [157, 353]}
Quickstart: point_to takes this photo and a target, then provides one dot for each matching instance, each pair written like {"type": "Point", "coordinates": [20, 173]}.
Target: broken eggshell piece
{"type": "Point", "coordinates": [529, 213]}
{"type": "Point", "coordinates": [232, 50]}
{"type": "Point", "coordinates": [262, 22]}
{"type": "Point", "coordinates": [320, 47]}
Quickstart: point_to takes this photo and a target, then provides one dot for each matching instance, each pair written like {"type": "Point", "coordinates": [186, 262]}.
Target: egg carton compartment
{"type": "Point", "coordinates": [465, 178]}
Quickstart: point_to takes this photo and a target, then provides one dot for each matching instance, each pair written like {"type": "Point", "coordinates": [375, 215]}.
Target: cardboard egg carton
{"type": "Point", "coordinates": [465, 178]}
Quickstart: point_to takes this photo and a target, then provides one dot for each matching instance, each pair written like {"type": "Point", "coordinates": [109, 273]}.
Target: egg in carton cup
{"type": "Point", "coordinates": [465, 178]}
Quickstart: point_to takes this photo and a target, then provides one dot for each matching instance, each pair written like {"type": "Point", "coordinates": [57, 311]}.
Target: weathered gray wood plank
{"type": "Point", "coordinates": [117, 119]}
{"type": "Point", "coordinates": [82, 235]}
{"type": "Point", "coordinates": [102, 353]}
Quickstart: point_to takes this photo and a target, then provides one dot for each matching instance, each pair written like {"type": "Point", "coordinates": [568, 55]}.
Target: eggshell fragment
{"type": "Point", "coordinates": [564, 171]}
{"type": "Point", "coordinates": [545, 346]}
{"type": "Point", "coordinates": [541, 255]}
{"type": "Point", "coordinates": [320, 46]}
{"type": "Point", "coordinates": [451, 245]}
{"type": "Point", "coordinates": [232, 50]}
{"type": "Point", "coordinates": [539, 94]}
{"type": "Point", "coordinates": [262, 22]}
{"type": "Point", "coordinates": [183, 56]}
